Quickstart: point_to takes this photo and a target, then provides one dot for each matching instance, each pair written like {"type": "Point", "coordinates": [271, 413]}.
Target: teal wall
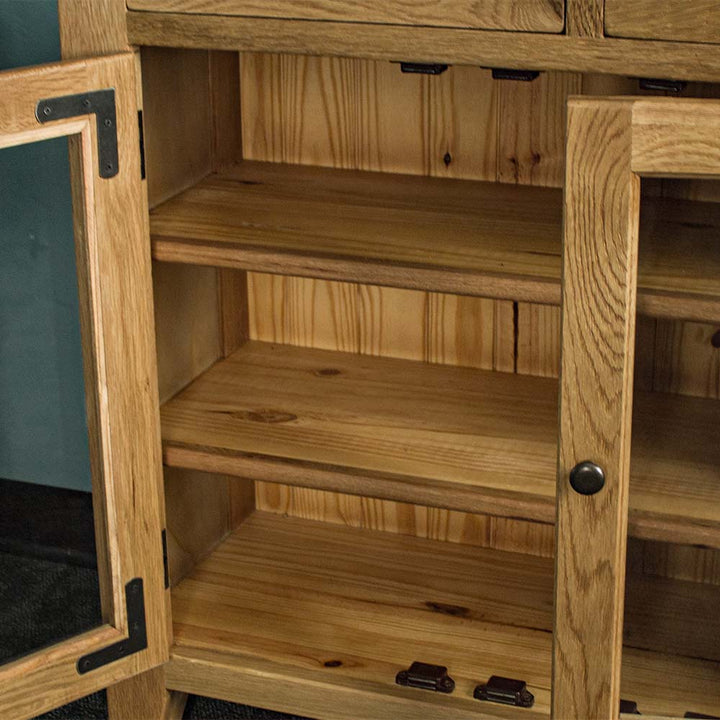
{"type": "Point", "coordinates": [43, 432]}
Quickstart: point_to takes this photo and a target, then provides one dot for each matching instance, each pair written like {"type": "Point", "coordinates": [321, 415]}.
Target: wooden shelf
{"type": "Point", "coordinates": [286, 607]}
{"type": "Point", "coordinates": [456, 236]}
{"type": "Point", "coordinates": [435, 435]}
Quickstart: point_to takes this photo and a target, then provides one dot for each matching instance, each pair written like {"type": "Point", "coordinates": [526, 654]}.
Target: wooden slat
{"type": "Point", "coordinates": [494, 48]}
{"type": "Point", "coordinates": [535, 15]}
{"type": "Point", "coordinates": [687, 20]}
{"type": "Point", "coordinates": [602, 204]}
{"type": "Point", "coordinates": [447, 235]}
{"type": "Point", "coordinates": [442, 436]}
{"type": "Point", "coordinates": [334, 613]}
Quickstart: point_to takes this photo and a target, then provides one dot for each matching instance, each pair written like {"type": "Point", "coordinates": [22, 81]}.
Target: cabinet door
{"type": "Point", "coordinates": [94, 104]}
{"type": "Point", "coordinates": [611, 144]}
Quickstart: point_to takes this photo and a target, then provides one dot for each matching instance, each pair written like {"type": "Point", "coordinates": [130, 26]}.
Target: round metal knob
{"type": "Point", "coordinates": [587, 478]}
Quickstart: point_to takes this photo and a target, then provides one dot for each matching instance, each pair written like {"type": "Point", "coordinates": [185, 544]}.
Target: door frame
{"type": "Point", "coordinates": [118, 339]}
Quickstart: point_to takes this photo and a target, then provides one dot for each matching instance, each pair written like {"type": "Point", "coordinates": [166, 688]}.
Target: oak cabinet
{"type": "Point", "coordinates": [359, 281]}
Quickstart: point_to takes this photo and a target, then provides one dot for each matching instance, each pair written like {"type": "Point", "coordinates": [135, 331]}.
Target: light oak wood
{"type": "Point", "coordinates": [114, 279]}
{"type": "Point", "coordinates": [446, 235]}
{"type": "Point", "coordinates": [602, 200]}
{"type": "Point", "coordinates": [92, 27]}
{"type": "Point", "coordinates": [674, 137]}
{"type": "Point", "coordinates": [495, 48]}
{"type": "Point", "coordinates": [408, 431]}
{"type": "Point", "coordinates": [373, 602]}
{"type": "Point", "coordinates": [688, 20]}
{"type": "Point", "coordinates": [534, 15]}
{"type": "Point", "coordinates": [585, 18]}
{"type": "Point", "coordinates": [146, 691]}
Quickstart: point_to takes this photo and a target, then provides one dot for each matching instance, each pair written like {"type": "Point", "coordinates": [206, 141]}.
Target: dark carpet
{"type": "Point", "coordinates": [42, 601]}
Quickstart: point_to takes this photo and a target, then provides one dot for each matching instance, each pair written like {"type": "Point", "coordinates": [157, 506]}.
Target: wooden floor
{"type": "Point", "coordinates": [455, 236]}
{"type": "Point", "coordinates": [436, 435]}
{"type": "Point", "coordinates": [330, 615]}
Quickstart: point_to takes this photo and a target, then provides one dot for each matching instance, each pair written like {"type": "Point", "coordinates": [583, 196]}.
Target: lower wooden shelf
{"type": "Point", "coordinates": [317, 619]}
{"type": "Point", "coordinates": [435, 435]}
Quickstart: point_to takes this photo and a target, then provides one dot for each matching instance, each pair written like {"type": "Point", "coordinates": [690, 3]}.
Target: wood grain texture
{"type": "Point", "coordinates": [531, 122]}
{"type": "Point", "coordinates": [187, 333]}
{"type": "Point", "coordinates": [92, 27]}
{"type": "Point", "coordinates": [424, 233]}
{"type": "Point", "coordinates": [145, 696]}
{"type": "Point", "coordinates": [602, 202]}
{"type": "Point", "coordinates": [179, 146]}
{"type": "Point", "coordinates": [343, 113]}
{"type": "Point", "coordinates": [673, 137]}
{"type": "Point", "coordinates": [372, 601]}
{"type": "Point", "coordinates": [585, 18]}
{"type": "Point", "coordinates": [689, 20]}
{"type": "Point", "coordinates": [115, 289]}
{"type": "Point", "coordinates": [495, 48]}
{"type": "Point", "coordinates": [448, 437]}
{"type": "Point", "coordinates": [534, 15]}
{"type": "Point", "coordinates": [202, 510]}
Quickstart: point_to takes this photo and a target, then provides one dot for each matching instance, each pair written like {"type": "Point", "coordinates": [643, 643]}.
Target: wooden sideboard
{"type": "Point", "coordinates": [377, 235]}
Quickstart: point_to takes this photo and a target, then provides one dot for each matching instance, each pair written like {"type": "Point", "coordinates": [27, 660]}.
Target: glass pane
{"type": "Point", "coordinates": [48, 570]}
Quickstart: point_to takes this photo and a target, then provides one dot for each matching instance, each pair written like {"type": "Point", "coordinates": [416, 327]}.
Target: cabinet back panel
{"type": "Point", "coordinates": [351, 113]}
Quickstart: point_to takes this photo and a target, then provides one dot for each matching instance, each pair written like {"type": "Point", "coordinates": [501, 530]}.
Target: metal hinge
{"type": "Point", "coordinates": [423, 68]}
{"type": "Point", "coordinates": [136, 640]}
{"type": "Point", "coordinates": [166, 567]}
{"type": "Point", "coordinates": [141, 129]}
{"type": "Point", "coordinates": [511, 74]}
{"type": "Point", "coordinates": [670, 86]}
{"type": "Point", "coordinates": [100, 103]}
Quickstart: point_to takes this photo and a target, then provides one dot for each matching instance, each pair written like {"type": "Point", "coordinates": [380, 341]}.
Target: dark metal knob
{"type": "Point", "coordinates": [587, 478]}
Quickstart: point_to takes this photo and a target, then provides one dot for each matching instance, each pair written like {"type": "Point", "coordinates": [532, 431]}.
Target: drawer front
{"type": "Point", "coordinates": [526, 15]}
{"type": "Point", "coordinates": [683, 20]}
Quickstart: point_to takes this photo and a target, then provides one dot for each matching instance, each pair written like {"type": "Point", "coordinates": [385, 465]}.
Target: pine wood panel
{"type": "Point", "coordinates": [602, 202]}
{"type": "Point", "coordinates": [319, 605]}
{"type": "Point", "coordinates": [450, 129]}
{"type": "Point", "coordinates": [450, 235]}
{"type": "Point", "coordinates": [531, 147]}
{"type": "Point", "coordinates": [495, 48]}
{"type": "Point", "coordinates": [454, 437]}
{"type": "Point", "coordinates": [115, 294]}
{"type": "Point", "coordinates": [535, 15]}
{"type": "Point", "coordinates": [687, 20]}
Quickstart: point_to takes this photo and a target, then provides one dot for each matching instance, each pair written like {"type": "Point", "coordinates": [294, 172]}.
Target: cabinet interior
{"type": "Point", "coordinates": [357, 280]}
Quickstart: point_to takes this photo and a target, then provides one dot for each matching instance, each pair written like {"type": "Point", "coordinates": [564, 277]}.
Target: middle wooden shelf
{"type": "Point", "coordinates": [457, 236]}
{"type": "Point", "coordinates": [437, 435]}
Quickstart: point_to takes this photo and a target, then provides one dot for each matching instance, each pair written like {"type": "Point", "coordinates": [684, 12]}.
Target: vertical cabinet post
{"type": "Point", "coordinates": [598, 332]}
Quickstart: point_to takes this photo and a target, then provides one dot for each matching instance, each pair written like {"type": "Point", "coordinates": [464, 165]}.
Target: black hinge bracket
{"type": "Point", "coordinates": [166, 567]}
{"type": "Point", "coordinates": [629, 707]}
{"type": "Point", "coordinates": [101, 103]}
{"type": "Point", "coordinates": [414, 68]}
{"type": "Point", "coordinates": [670, 86]}
{"type": "Point", "coordinates": [141, 129]}
{"type": "Point", "coordinates": [517, 75]}
{"type": "Point", "coordinates": [137, 640]}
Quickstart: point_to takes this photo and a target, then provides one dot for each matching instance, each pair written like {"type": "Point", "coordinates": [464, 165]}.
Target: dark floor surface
{"type": "Point", "coordinates": [43, 601]}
